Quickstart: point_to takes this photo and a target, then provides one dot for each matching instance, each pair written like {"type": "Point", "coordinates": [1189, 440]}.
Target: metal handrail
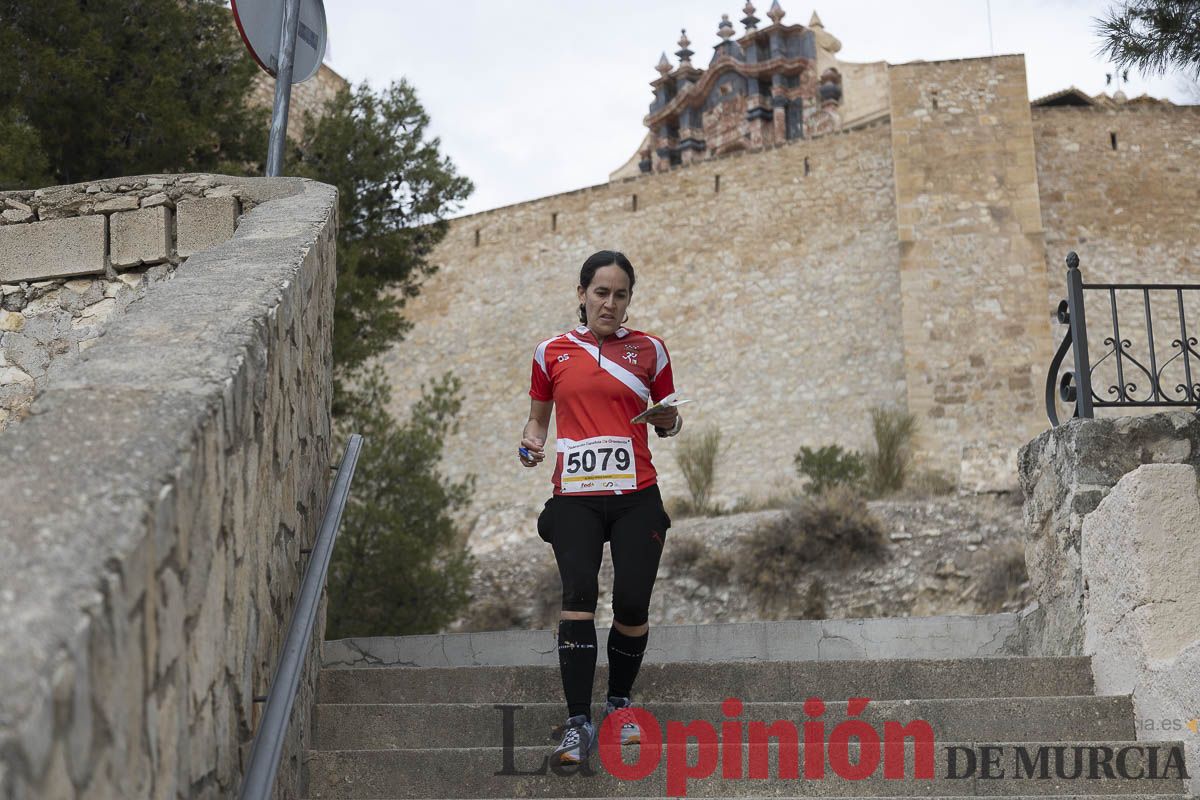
{"type": "Point", "coordinates": [1076, 386]}
{"type": "Point", "coordinates": [268, 742]}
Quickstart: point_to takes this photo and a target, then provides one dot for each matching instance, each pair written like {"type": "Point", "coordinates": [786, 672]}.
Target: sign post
{"type": "Point", "coordinates": [283, 88]}
{"type": "Point", "coordinates": [287, 38]}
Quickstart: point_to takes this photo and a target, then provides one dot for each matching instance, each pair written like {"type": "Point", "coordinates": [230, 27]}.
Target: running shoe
{"type": "Point", "coordinates": [578, 742]}
{"type": "Point", "coordinates": [619, 707]}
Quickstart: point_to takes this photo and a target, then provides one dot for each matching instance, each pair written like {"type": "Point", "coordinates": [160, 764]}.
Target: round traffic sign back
{"type": "Point", "coordinates": [259, 23]}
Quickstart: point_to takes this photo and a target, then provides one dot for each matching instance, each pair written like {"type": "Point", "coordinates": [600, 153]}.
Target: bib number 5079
{"type": "Point", "coordinates": [602, 457]}
{"type": "Point", "coordinates": [598, 464]}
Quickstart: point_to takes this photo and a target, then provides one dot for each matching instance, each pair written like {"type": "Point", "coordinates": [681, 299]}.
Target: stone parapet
{"type": "Point", "coordinates": [1140, 558]}
{"type": "Point", "coordinates": [1065, 473]}
{"type": "Point", "coordinates": [156, 503]}
{"type": "Point", "coordinates": [55, 248]}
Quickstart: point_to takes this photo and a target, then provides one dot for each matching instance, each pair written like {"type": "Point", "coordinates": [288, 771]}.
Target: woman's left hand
{"type": "Point", "coordinates": [664, 417]}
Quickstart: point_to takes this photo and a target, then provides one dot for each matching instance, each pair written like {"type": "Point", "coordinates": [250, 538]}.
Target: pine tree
{"type": "Point", "coordinates": [1153, 36]}
{"type": "Point", "coordinates": [102, 89]}
{"type": "Point", "coordinates": [395, 190]}
{"type": "Point", "coordinates": [400, 566]}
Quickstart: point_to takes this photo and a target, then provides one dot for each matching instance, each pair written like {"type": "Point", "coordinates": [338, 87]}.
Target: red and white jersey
{"type": "Point", "coordinates": [597, 387]}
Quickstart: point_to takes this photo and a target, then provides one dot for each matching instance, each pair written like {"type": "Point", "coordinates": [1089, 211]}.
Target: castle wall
{"type": "Point", "coordinates": [776, 296]}
{"type": "Point", "coordinates": [1130, 212]}
{"type": "Point", "coordinates": [972, 269]}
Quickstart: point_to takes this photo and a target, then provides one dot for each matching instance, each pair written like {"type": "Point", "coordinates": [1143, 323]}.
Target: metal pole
{"type": "Point", "coordinates": [283, 88]}
{"type": "Point", "coordinates": [268, 742]}
{"type": "Point", "coordinates": [1079, 342]}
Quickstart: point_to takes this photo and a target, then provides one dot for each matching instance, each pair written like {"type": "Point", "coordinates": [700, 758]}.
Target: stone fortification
{"type": "Point", "coordinates": [72, 258]}
{"type": "Point", "coordinates": [913, 262]}
{"type": "Point", "coordinates": [156, 501]}
{"type": "Point", "coordinates": [775, 290]}
{"type": "Point", "coordinates": [972, 265]}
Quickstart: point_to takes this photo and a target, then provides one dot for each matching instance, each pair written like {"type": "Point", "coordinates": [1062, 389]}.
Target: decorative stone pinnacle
{"type": "Point", "coordinates": [776, 13]}
{"type": "Point", "coordinates": [815, 22]}
{"type": "Point", "coordinates": [663, 65]}
{"type": "Point", "coordinates": [725, 29]}
{"type": "Point", "coordinates": [685, 55]}
{"type": "Point", "coordinates": [750, 21]}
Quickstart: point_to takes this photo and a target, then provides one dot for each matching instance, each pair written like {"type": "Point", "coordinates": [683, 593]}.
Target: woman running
{"type": "Point", "coordinates": [601, 375]}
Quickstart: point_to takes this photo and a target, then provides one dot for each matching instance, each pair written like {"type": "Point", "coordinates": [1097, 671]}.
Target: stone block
{"type": "Point", "coordinates": [52, 249]}
{"type": "Point", "coordinates": [140, 237]}
{"type": "Point", "coordinates": [204, 222]}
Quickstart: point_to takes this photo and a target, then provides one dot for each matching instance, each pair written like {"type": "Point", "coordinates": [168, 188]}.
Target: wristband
{"type": "Point", "coordinates": [664, 432]}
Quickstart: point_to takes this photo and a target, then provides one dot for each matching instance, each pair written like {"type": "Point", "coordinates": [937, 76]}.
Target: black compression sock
{"type": "Point", "coordinates": [577, 661]}
{"type": "Point", "coordinates": [624, 658]}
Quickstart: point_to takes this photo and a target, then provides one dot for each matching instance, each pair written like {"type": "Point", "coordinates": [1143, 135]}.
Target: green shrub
{"type": "Point", "coordinates": [697, 458]}
{"type": "Point", "coordinates": [888, 464]}
{"type": "Point", "coordinates": [828, 466]}
{"type": "Point", "coordinates": [833, 528]}
{"type": "Point", "coordinates": [401, 564]}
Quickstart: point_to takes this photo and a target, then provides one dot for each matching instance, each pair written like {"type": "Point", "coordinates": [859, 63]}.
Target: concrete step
{"type": "Point", "coordinates": [946, 797]}
{"type": "Point", "coordinates": [416, 726]}
{"type": "Point", "coordinates": [779, 681]}
{"type": "Point", "coordinates": [943, 637]}
{"type": "Point", "coordinates": [485, 773]}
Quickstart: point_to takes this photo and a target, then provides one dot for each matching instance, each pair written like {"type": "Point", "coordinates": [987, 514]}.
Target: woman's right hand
{"type": "Point", "coordinates": [536, 448]}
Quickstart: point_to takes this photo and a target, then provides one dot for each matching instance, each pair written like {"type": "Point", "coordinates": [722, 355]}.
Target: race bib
{"type": "Point", "coordinates": [599, 464]}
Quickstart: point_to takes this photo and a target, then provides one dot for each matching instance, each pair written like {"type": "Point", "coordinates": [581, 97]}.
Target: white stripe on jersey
{"type": "Point", "coordinates": [662, 356]}
{"type": "Point", "coordinates": [616, 370]}
{"type": "Point", "coordinates": [539, 355]}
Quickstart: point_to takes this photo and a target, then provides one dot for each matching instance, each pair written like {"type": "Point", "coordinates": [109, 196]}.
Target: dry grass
{"type": "Point", "coordinates": [697, 457]}
{"type": "Point", "coordinates": [887, 466]}
{"type": "Point", "coordinates": [1001, 578]}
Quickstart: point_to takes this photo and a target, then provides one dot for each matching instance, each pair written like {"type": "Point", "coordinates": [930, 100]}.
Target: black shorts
{"type": "Point", "coordinates": [635, 526]}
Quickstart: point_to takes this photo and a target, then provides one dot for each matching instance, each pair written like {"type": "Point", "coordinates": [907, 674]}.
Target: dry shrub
{"type": "Point", "coordinates": [833, 528]}
{"type": "Point", "coordinates": [547, 595]}
{"type": "Point", "coordinates": [697, 559]}
{"type": "Point", "coordinates": [815, 600]}
{"type": "Point", "coordinates": [925, 483]}
{"type": "Point", "coordinates": [1002, 577]}
{"type": "Point", "coordinates": [495, 612]}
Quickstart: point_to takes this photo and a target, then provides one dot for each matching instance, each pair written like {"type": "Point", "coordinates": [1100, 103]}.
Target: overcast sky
{"type": "Point", "coordinates": [537, 97]}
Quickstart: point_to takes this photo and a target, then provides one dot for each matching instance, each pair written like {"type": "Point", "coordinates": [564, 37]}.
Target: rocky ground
{"type": "Point", "coordinates": [950, 554]}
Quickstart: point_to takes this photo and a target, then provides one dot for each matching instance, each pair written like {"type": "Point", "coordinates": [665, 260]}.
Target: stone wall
{"type": "Point", "coordinates": [72, 258]}
{"type": "Point", "coordinates": [972, 269]}
{"type": "Point", "coordinates": [1140, 558]}
{"type": "Point", "coordinates": [914, 263]}
{"type": "Point", "coordinates": [157, 499]}
{"type": "Point", "coordinates": [775, 295]}
{"type": "Point", "coordinates": [1065, 473]}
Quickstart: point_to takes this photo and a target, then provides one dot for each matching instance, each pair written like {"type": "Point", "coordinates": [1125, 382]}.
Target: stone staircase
{"type": "Point", "coordinates": [418, 717]}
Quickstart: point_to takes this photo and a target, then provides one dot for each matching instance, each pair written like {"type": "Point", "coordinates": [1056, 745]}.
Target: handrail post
{"type": "Point", "coordinates": [259, 779]}
{"type": "Point", "coordinates": [1083, 371]}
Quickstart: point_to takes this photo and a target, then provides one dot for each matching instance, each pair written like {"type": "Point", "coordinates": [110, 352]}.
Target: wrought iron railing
{"type": "Point", "coordinates": [268, 742]}
{"type": "Point", "coordinates": [1131, 365]}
